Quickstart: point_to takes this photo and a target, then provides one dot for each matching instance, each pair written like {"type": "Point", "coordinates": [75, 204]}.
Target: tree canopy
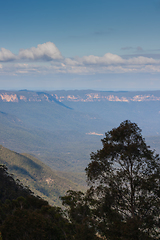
{"type": "Point", "coordinates": [9, 187]}
{"type": "Point", "coordinates": [125, 176]}
{"type": "Point", "coordinates": [26, 216]}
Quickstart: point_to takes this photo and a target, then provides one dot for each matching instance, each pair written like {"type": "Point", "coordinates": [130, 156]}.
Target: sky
{"type": "Point", "coordinates": [99, 44]}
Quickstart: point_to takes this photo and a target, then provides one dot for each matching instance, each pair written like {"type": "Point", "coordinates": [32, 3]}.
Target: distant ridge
{"type": "Point", "coordinates": [24, 90]}
{"type": "Point", "coordinates": [78, 96]}
{"type": "Point", "coordinates": [52, 99]}
{"type": "Point", "coordinates": [108, 96]}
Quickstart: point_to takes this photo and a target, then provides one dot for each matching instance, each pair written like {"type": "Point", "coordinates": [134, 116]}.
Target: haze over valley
{"type": "Point", "coordinates": [62, 128]}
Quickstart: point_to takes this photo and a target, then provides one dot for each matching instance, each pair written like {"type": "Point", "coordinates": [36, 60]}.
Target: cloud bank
{"type": "Point", "coordinates": [45, 51]}
{"type": "Point", "coordinates": [47, 59]}
{"type": "Point", "coordinates": [6, 55]}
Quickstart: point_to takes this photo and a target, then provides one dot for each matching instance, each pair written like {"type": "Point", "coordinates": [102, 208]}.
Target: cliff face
{"type": "Point", "coordinates": [89, 96]}
{"type": "Point", "coordinates": [16, 97]}
{"type": "Point", "coordinates": [8, 97]}
{"type": "Point", "coordinates": [92, 97]}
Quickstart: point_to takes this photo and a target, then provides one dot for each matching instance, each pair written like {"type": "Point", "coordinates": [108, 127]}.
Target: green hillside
{"type": "Point", "coordinates": [43, 181]}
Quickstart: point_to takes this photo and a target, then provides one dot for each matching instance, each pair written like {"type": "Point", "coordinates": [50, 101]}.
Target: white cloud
{"type": "Point", "coordinates": [27, 61]}
{"type": "Point", "coordinates": [1, 66]}
{"type": "Point", "coordinates": [113, 59]}
{"type": "Point", "coordinates": [45, 51]}
{"type": "Point", "coordinates": [107, 59]}
{"type": "Point", "coordinates": [109, 63]}
{"type": "Point", "coordinates": [62, 67]}
{"type": "Point", "coordinates": [142, 60]}
{"type": "Point", "coordinates": [6, 55]}
{"type": "Point", "coordinates": [151, 68]}
{"type": "Point", "coordinates": [72, 62]}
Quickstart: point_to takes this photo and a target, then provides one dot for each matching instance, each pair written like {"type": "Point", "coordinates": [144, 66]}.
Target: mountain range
{"type": "Point", "coordinates": [79, 96]}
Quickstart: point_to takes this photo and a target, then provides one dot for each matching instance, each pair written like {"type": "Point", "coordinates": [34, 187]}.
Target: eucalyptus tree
{"type": "Point", "coordinates": [125, 178]}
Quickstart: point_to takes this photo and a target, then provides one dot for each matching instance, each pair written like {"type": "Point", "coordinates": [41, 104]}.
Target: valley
{"type": "Point", "coordinates": [61, 128]}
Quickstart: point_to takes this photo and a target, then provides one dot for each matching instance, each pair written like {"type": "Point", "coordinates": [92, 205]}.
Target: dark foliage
{"type": "Point", "coordinates": [24, 222]}
{"type": "Point", "coordinates": [80, 212]}
{"type": "Point", "coordinates": [125, 175]}
{"type": "Point", "coordinates": [123, 202]}
{"type": "Point", "coordinates": [24, 216]}
{"type": "Point", "coordinates": [9, 188]}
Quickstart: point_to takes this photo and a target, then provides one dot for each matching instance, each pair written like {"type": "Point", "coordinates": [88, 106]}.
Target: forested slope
{"type": "Point", "coordinates": [41, 179]}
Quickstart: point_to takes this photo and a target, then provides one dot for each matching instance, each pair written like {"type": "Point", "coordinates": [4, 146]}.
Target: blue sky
{"type": "Point", "coordinates": [98, 44]}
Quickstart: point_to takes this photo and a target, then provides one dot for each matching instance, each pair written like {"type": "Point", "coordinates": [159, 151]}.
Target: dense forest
{"type": "Point", "coordinates": [122, 201]}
